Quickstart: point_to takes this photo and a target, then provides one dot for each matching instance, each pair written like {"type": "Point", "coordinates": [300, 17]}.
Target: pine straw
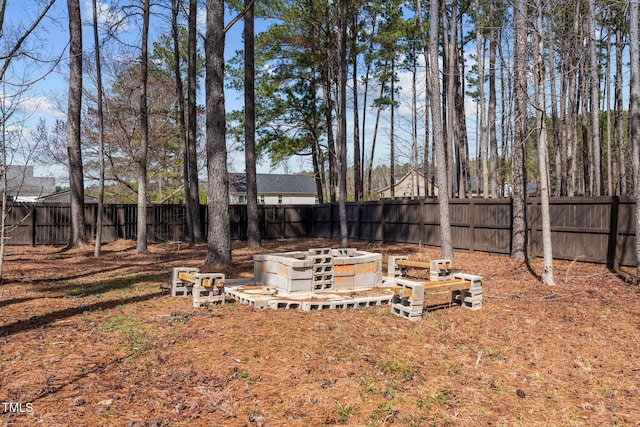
{"type": "Point", "coordinates": [93, 342]}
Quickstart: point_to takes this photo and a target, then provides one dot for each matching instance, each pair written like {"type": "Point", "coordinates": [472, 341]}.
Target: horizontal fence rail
{"type": "Point", "coordinates": [595, 229]}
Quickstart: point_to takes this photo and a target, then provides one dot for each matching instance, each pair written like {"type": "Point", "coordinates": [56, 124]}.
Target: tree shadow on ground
{"type": "Point", "coordinates": [106, 285]}
{"type": "Point", "coordinates": [36, 322]}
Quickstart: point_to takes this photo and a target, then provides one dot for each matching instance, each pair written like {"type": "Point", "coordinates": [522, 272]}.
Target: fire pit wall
{"type": "Point", "coordinates": [319, 270]}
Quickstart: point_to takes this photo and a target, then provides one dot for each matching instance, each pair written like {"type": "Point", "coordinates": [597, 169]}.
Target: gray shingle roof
{"type": "Point", "coordinates": [275, 183]}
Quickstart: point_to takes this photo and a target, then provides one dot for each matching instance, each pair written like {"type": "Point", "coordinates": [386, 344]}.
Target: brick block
{"type": "Point", "coordinates": [394, 269]}
{"type": "Point", "coordinates": [440, 269]}
{"type": "Point", "coordinates": [368, 280]}
{"type": "Point", "coordinates": [179, 288]}
{"type": "Point", "coordinates": [369, 267]}
{"type": "Point", "coordinates": [344, 270]}
{"type": "Point", "coordinates": [476, 281]}
{"type": "Point", "coordinates": [298, 285]}
{"type": "Point", "coordinates": [344, 282]}
{"type": "Point", "coordinates": [203, 296]}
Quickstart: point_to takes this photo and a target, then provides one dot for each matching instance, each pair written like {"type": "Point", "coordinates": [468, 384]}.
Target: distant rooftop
{"type": "Point", "coordinates": [274, 183]}
{"type": "Point", "coordinates": [22, 184]}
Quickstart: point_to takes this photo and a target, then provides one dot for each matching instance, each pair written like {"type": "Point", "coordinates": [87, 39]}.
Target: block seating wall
{"type": "Point", "coordinates": [409, 296]}
{"type": "Point", "coordinates": [205, 288]}
{"type": "Point", "coordinates": [320, 269]}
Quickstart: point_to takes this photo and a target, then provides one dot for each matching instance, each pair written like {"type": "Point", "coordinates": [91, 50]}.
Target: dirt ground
{"type": "Point", "coordinates": [95, 342]}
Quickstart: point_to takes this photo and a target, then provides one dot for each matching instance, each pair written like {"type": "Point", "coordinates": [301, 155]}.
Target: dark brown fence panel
{"type": "Point", "coordinates": [52, 224]}
{"type": "Point", "coordinates": [297, 222]}
{"type": "Point", "coordinates": [20, 223]}
{"type": "Point", "coordinates": [599, 229]}
{"type": "Point", "coordinates": [321, 220]}
{"type": "Point", "coordinates": [490, 225]}
{"type": "Point", "coordinates": [623, 233]}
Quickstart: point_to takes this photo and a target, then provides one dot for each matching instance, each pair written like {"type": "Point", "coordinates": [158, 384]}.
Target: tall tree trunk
{"type": "Point", "coordinates": [76, 175]}
{"type": "Point", "coordinates": [620, 126]}
{"type": "Point", "coordinates": [96, 42]}
{"type": "Point", "coordinates": [182, 124]}
{"type": "Point", "coordinates": [462, 137]}
{"type": "Point", "coordinates": [492, 119]}
{"type": "Point", "coordinates": [141, 241]}
{"type": "Point", "coordinates": [392, 135]}
{"type": "Point", "coordinates": [558, 147]}
{"type": "Point", "coordinates": [572, 129]}
{"type": "Point", "coordinates": [634, 114]}
{"type": "Point", "coordinates": [192, 134]}
{"type": "Point", "coordinates": [253, 225]}
{"type": "Point", "coordinates": [547, 271]}
{"type": "Point", "coordinates": [483, 137]}
{"type": "Point", "coordinates": [607, 94]}
{"type": "Point", "coordinates": [331, 146]}
{"type": "Point", "coordinates": [219, 235]}
{"type": "Point", "coordinates": [357, 156]}
{"type": "Point", "coordinates": [587, 152]}
{"type": "Point", "coordinates": [375, 134]}
{"type": "Point", "coordinates": [451, 140]}
{"type": "Point", "coordinates": [596, 183]}
{"type": "Point", "coordinates": [438, 131]}
{"type": "Point", "coordinates": [342, 127]}
{"type": "Point", "coordinates": [519, 168]}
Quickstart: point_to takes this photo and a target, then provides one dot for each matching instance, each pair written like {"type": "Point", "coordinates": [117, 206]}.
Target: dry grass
{"type": "Point", "coordinates": [93, 342]}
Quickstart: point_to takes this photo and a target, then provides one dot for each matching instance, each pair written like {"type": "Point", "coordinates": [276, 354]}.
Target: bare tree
{"type": "Point", "coordinates": [519, 170]}
{"type": "Point", "coordinates": [96, 42]}
{"type": "Point", "coordinates": [141, 241]}
{"type": "Point", "coordinates": [253, 225]}
{"type": "Point", "coordinates": [191, 154]}
{"type": "Point", "coordinates": [76, 175]}
{"type": "Point", "coordinates": [541, 127]}
{"type": "Point", "coordinates": [219, 235]}
{"type": "Point", "coordinates": [596, 182]}
{"type": "Point", "coordinates": [342, 128]}
{"type": "Point", "coordinates": [634, 112]}
{"type": "Point", "coordinates": [438, 131]}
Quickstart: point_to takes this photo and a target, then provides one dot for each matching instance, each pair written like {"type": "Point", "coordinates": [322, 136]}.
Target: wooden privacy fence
{"type": "Point", "coordinates": [599, 229]}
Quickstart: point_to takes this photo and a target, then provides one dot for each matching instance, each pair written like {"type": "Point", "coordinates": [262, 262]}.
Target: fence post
{"type": "Point", "coordinates": [359, 224]}
{"type": "Point", "coordinates": [613, 262]}
{"type": "Point", "coordinates": [33, 227]}
{"type": "Point", "coordinates": [383, 219]}
{"type": "Point", "coordinates": [472, 224]}
{"type": "Point", "coordinates": [282, 222]}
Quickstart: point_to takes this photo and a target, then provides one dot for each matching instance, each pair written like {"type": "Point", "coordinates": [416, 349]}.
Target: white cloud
{"type": "Point", "coordinates": [39, 106]}
{"type": "Point", "coordinates": [107, 17]}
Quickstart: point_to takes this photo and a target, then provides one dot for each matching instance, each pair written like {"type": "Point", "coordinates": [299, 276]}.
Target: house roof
{"type": "Point", "coordinates": [274, 183]}
{"type": "Point", "coordinates": [64, 197]}
{"type": "Point", "coordinates": [21, 182]}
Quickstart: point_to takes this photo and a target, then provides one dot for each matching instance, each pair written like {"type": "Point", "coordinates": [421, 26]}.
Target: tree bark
{"type": "Point", "coordinates": [141, 241]}
{"type": "Point", "coordinates": [493, 136]}
{"type": "Point", "coordinates": [98, 246]}
{"type": "Point", "coordinates": [219, 235]}
{"type": "Point", "coordinates": [519, 169]}
{"type": "Point", "coordinates": [192, 131]}
{"type": "Point", "coordinates": [76, 175]}
{"type": "Point", "coordinates": [182, 124]}
{"type": "Point", "coordinates": [541, 118]}
{"type": "Point", "coordinates": [619, 116]}
{"type": "Point", "coordinates": [484, 164]}
{"type": "Point", "coordinates": [253, 225]}
{"type": "Point", "coordinates": [596, 183]}
{"type": "Point", "coordinates": [342, 127]}
{"type": "Point", "coordinates": [446, 249]}
{"type": "Point", "coordinates": [634, 112]}
{"type": "Point", "coordinates": [357, 155]}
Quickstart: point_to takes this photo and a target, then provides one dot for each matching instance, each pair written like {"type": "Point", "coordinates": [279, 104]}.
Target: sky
{"type": "Point", "coordinates": [46, 98]}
